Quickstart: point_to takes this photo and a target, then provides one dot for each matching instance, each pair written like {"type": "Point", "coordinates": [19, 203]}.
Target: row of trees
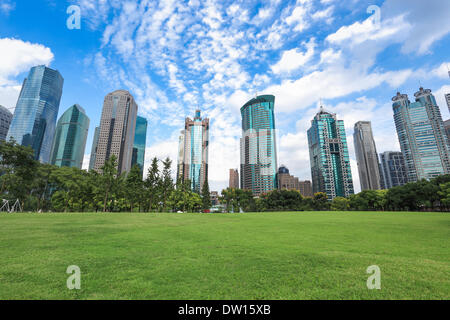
{"type": "Point", "coordinates": [43, 187]}
{"type": "Point", "coordinates": [423, 195]}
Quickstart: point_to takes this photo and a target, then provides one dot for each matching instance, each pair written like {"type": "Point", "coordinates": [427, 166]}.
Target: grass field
{"type": "Point", "coordinates": [313, 255]}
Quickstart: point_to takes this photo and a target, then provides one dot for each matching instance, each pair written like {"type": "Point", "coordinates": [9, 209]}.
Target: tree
{"type": "Point", "coordinates": [108, 180]}
{"type": "Point", "coordinates": [133, 186]}
{"type": "Point", "coordinates": [151, 184]}
{"type": "Point", "coordinates": [166, 183]}
{"type": "Point", "coordinates": [320, 201]}
{"type": "Point", "coordinates": [206, 196]}
{"type": "Point", "coordinates": [340, 204]}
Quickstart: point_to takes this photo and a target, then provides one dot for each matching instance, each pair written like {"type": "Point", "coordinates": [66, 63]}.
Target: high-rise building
{"type": "Point", "coordinates": [117, 129]}
{"type": "Point", "coordinates": [193, 152]}
{"type": "Point", "coordinates": [366, 156]}
{"type": "Point", "coordinates": [422, 136]}
{"type": "Point", "coordinates": [140, 140]}
{"type": "Point", "coordinates": [234, 179]}
{"type": "Point", "coordinates": [288, 182]}
{"type": "Point", "coordinates": [5, 122]}
{"type": "Point", "coordinates": [328, 151]}
{"type": "Point", "coordinates": [258, 146]}
{"type": "Point", "coordinates": [34, 120]}
{"type": "Point", "coordinates": [447, 98]}
{"type": "Point", "coordinates": [393, 170]}
{"type": "Point", "coordinates": [447, 129]}
{"type": "Point", "coordinates": [70, 138]}
{"type": "Point", "coordinates": [94, 148]}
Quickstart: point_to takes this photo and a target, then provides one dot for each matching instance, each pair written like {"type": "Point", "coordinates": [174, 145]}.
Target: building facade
{"type": "Point", "coordinates": [34, 120]}
{"type": "Point", "coordinates": [447, 129]}
{"type": "Point", "coordinates": [193, 152]}
{"type": "Point", "coordinates": [70, 138]}
{"type": "Point", "coordinates": [5, 122]}
{"type": "Point", "coordinates": [94, 148]}
{"type": "Point", "coordinates": [393, 170]}
{"type": "Point", "coordinates": [234, 179]}
{"type": "Point", "coordinates": [330, 162]}
{"type": "Point", "coordinates": [140, 140]}
{"type": "Point", "coordinates": [288, 182]}
{"type": "Point", "coordinates": [258, 146]}
{"type": "Point", "coordinates": [117, 130]}
{"type": "Point", "coordinates": [366, 156]}
{"type": "Point", "coordinates": [422, 136]}
{"type": "Point", "coordinates": [447, 98]}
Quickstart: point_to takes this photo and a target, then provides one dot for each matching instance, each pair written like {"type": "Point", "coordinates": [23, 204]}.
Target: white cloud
{"type": "Point", "coordinates": [6, 6]}
{"type": "Point", "coordinates": [292, 59]}
{"type": "Point", "coordinates": [18, 57]}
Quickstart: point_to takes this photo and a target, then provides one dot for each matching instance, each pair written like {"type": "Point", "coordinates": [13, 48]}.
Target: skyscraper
{"type": "Point", "coordinates": [366, 156]}
{"type": "Point", "coordinates": [447, 129]}
{"type": "Point", "coordinates": [422, 136]}
{"type": "Point", "coordinates": [393, 170]}
{"type": "Point", "coordinates": [34, 119]}
{"type": "Point", "coordinates": [140, 140]}
{"type": "Point", "coordinates": [117, 129]}
{"type": "Point", "coordinates": [234, 179]}
{"type": "Point", "coordinates": [258, 146]}
{"type": "Point", "coordinates": [70, 138]}
{"type": "Point", "coordinates": [447, 97]}
{"type": "Point", "coordinates": [5, 122]}
{"type": "Point", "coordinates": [94, 148]}
{"type": "Point", "coordinates": [328, 152]}
{"type": "Point", "coordinates": [193, 151]}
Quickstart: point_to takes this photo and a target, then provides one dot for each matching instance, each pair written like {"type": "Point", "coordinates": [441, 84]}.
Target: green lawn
{"type": "Point", "coordinates": [313, 255]}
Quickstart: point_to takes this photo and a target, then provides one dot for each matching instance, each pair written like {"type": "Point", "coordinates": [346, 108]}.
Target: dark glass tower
{"type": "Point", "coordinates": [37, 108]}
{"type": "Point", "coordinates": [70, 139]}
{"type": "Point", "coordinates": [328, 151]}
{"type": "Point", "coordinates": [258, 146]}
{"type": "Point", "coordinates": [140, 139]}
{"type": "Point", "coordinates": [94, 148]}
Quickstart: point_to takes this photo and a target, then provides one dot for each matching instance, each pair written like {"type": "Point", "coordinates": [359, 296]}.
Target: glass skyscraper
{"type": "Point", "coordinates": [193, 152]}
{"type": "Point", "coordinates": [258, 146]}
{"type": "Point", "coordinates": [366, 156]}
{"type": "Point", "coordinates": [328, 151]}
{"type": "Point", "coordinates": [5, 122]}
{"type": "Point", "coordinates": [140, 139]}
{"type": "Point", "coordinates": [422, 136]}
{"type": "Point", "coordinates": [393, 171]}
{"type": "Point", "coordinates": [70, 138]}
{"type": "Point", "coordinates": [94, 148]}
{"type": "Point", "coordinates": [34, 119]}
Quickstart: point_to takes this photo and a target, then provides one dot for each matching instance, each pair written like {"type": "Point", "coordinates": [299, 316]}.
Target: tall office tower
{"type": "Point", "coordinates": [140, 140]}
{"type": "Point", "coordinates": [447, 97]}
{"type": "Point", "coordinates": [288, 182]}
{"type": "Point", "coordinates": [234, 179]}
{"type": "Point", "coordinates": [393, 170]}
{"type": "Point", "coordinates": [117, 129]}
{"type": "Point", "coordinates": [366, 156]}
{"type": "Point", "coordinates": [94, 148]}
{"type": "Point", "coordinates": [34, 119]}
{"type": "Point", "coordinates": [447, 129]}
{"type": "Point", "coordinates": [258, 146]}
{"type": "Point", "coordinates": [5, 122]}
{"type": "Point", "coordinates": [70, 138]}
{"type": "Point", "coordinates": [328, 152]}
{"type": "Point", "coordinates": [421, 134]}
{"type": "Point", "coordinates": [193, 152]}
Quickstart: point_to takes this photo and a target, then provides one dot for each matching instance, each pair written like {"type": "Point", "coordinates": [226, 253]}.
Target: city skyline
{"type": "Point", "coordinates": [307, 62]}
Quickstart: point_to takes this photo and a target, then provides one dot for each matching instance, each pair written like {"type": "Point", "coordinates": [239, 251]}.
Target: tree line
{"type": "Point", "coordinates": [44, 187]}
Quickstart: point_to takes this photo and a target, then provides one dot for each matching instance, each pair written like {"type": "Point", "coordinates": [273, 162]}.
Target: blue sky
{"type": "Point", "coordinates": [177, 56]}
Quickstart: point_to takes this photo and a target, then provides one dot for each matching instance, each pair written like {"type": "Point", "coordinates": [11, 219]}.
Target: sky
{"type": "Point", "coordinates": [177, 56]}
